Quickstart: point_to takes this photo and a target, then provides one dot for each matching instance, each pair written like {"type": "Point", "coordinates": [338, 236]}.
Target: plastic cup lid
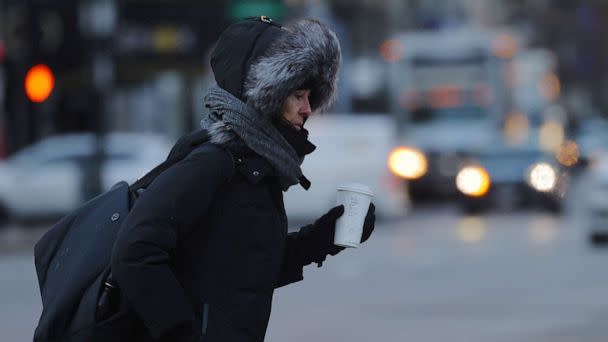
{"type": "Point", "coordinates": [356, 187]}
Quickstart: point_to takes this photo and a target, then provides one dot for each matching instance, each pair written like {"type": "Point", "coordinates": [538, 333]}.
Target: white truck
{"type": "Point", "coordinates": [449, 92]}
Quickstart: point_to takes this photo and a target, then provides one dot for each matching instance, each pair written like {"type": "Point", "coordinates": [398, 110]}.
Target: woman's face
{"type": "Point", "coordinates": [296, 108]}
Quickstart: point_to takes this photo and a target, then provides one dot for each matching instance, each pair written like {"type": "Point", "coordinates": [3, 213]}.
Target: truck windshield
{"type": "Point", "coordinates": [448, 90]}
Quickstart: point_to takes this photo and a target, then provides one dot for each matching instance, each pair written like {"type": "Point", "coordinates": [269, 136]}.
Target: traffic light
{"type": "Point", "coordinates": [39, 83]}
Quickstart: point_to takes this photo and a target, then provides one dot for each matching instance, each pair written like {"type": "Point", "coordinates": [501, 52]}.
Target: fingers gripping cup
{"type": "Point", "coordinates": [349, 227]}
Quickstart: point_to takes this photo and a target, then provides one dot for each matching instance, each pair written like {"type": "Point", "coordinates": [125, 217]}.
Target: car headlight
{"type": "Point", "coordinates": [542, 177]}
{"type": "Point", "coordinates": [473, 181]}
{"type": "Point", "coordinates": [407, 163]}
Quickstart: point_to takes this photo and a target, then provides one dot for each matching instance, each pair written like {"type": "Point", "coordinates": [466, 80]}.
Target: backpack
{"type": "Point", "coordinates": [72, 262]}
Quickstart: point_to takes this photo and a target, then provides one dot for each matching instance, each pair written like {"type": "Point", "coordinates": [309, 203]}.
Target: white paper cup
{"type": "Point", "coordinates": [349, 227]}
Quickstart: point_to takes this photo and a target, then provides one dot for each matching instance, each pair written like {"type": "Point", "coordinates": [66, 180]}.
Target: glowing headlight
{"type": "Point", "coordinates": [542, 177]}
{"type": "Point", "coordinates": [407, 163]}
{"type": "Point", "coordinates": [473, 181]}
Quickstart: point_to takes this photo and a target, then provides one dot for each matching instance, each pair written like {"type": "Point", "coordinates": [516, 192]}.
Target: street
{"type": "Point", "coordinates": [444, 277]}
{"type": "Point", "coordinates": [436, 275]}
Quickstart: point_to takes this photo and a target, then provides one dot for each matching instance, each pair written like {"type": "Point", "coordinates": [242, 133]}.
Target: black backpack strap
{"type": "Point", "coordinates": [180, 150]}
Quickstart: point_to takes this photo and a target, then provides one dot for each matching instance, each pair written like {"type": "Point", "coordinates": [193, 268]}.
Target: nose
{"type": "Point", "coordinates": [305, 108]}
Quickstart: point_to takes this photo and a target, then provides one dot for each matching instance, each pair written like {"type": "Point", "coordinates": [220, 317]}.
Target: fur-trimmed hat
{"type": "Point", "coordinates": [262, 63]}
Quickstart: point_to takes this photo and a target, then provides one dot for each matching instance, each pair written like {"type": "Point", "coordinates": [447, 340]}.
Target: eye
{"type": "Point", "coordinates": [302, 95]}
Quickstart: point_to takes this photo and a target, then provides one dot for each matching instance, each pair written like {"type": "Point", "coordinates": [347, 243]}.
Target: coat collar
{"type": "Point", "coordinates": [252, 166]}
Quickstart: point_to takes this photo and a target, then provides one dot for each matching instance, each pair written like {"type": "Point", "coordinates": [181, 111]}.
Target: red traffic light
{"type": "Point", "coordinates": [39, 83]}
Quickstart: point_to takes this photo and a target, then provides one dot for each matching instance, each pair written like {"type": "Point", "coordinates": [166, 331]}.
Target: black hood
{"type": "Point", "coordinates": [238, 46]}
{"type": "Point", "coordinates": [262, 63]}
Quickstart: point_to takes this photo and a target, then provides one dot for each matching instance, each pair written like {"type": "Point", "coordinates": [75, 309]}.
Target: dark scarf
{"type": "Point", "coordinates": [257, 132]}
{"type": "Point", "coordinates": [298, 139]}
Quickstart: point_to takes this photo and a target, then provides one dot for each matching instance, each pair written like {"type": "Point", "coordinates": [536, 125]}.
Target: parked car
{"type": "Point", "coordinates": [503, 175]}
{"type": "Point", "coordinates": [45, 180]}
{"type": "Point", "coordinates": [350, 148]}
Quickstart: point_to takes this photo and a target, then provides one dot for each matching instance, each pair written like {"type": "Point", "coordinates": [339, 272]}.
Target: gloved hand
{"type": "Point", "coordinates": [319, 236]}
{"type": "Point", "coordinates": [368, 227]}
{"type": "Point", "coordinates": [370, 223]}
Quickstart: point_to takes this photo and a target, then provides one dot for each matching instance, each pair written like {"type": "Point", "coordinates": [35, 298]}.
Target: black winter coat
{"type": "Point", "coordinates": [204, 248]}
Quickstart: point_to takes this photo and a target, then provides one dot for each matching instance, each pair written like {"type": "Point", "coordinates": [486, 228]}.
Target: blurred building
{"type": "Point", "coordinates": [102, 52]}
{"type": "Point", "coordinates": [143, 64]}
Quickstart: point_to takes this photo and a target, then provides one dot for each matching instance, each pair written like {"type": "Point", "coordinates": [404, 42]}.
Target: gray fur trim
{"type": "Point", "coordinates": [309, 51]}
{"type": "Point", "coordinates": [221, 134]}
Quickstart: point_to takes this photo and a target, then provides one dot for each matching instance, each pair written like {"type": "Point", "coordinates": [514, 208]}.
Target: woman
{"type": "Point", "coordinates": [206, 244]}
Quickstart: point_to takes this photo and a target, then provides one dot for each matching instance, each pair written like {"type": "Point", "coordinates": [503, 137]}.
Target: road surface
{"type": "Point", "coordinates": [437, 275]}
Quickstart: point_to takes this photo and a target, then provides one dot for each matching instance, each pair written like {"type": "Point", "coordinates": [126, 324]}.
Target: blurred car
{"type": "Point", "coordinates": [350, 148]}
{"type": "Point", "coordinates": [448, 93]}
{"type": "Point", "coordinates": [45, 179]}
{"type": "Point", "coordinates": [596, 198]}
{"type": "Point", "coordinates": [503, 175]}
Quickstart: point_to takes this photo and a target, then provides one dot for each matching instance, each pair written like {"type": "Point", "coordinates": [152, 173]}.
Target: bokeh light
{"type": "Point", "coordinates": [39, 83]}
{"type": "Point", "coordinates": [516, 128]}
{"type": "Point", "coordinates": [471, 229]}
{"type": "Point", "coordinates": [392, 50]}
{"type": "Point", "coordinates": [551, 135]}
{"type": "Point", "coordinates": [542, 177]}
{"type": "Point", "coordinates": [542, 229]}
{"type": "Point", "coordinates": [549, 87]}
{"type": "Point", "coordinates": [504, 46]}
{"type": "Point", "coordinates": [166, 39]}
{"type": "Point", "coordinates": [473, 181]}
{"type": "Point", "coordinates": [445, 96]}
{"type": "Point", "coordinates": [407, 163]}
{"type": "Point", "coordinates": [568, 153]}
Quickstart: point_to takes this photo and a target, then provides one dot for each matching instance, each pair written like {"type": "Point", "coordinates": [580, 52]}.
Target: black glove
{"type": "Point", "coordinates": [318, 238]}
{"type": "Point", "coordinates": [370, 223]}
